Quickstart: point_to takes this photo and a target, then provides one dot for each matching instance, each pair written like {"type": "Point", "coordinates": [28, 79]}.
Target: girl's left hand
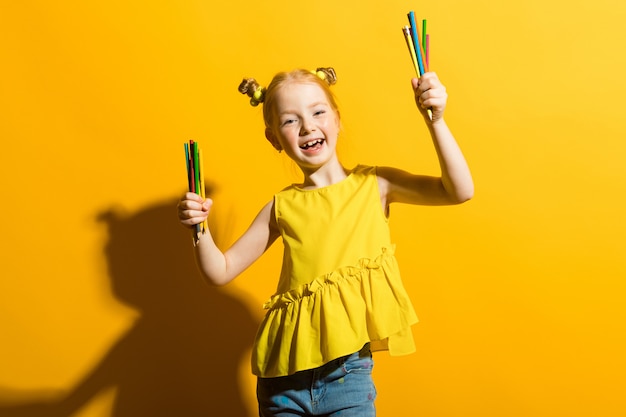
{"type": "Point", "coordinates": [430, 94]}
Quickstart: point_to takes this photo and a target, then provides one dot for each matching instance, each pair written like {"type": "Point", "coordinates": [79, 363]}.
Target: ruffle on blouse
{"type": "Point", "coordinates": [335, 315]}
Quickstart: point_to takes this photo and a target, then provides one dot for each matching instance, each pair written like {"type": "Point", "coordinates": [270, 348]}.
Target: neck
{"type": "Point", "coordinates": [323, 176]}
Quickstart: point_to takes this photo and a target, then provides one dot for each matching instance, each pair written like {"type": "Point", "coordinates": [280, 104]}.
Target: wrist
{"type": "Point", "coordinates": [437, 121]}
{"type": "Point", "coordinates": [437, 127]}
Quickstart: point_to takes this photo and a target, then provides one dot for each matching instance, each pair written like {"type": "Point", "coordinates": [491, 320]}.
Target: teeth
{"type": "Point", "coordinates": [311, 143]}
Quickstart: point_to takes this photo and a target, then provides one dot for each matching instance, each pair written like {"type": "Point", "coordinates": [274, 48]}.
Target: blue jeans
{"type": "Point", "coordinates": [342, 387]}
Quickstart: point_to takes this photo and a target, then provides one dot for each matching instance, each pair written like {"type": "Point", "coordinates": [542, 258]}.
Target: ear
{"type": "Point", "coordinates": [338, 119]}
{"type": "Point", "coordinates": [271, 137]}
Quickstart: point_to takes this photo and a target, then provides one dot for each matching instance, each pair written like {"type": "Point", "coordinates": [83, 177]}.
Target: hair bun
{"type": "Point", "coordinates": [252, 88]}
{"type": "Point", "coordinates": [327, 74]}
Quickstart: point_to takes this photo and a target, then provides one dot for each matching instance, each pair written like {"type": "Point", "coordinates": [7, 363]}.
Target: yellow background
{"type": "Point", "coordinates": [520, 292]}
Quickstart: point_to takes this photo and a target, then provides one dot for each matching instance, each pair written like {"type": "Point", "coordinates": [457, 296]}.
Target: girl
{"type": "Point", "coordinates": [339, 294]}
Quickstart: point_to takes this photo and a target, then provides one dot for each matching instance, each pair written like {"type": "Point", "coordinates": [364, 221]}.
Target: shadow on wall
{"type": "Point", "coordinates": [182, 355]}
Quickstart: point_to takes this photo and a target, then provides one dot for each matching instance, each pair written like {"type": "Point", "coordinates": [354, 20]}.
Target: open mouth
{"type": "Point", "coordinates": [312, 143]}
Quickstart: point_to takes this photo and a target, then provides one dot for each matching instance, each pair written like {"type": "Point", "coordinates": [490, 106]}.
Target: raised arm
{"type": "Point", "coordinates": [217, 267]}
{"type": "Point", "coordinates": [455, 185]}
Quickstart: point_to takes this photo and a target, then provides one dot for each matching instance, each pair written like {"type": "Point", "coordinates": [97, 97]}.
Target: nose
{"type": "Point", "coordinates": [307, 126]}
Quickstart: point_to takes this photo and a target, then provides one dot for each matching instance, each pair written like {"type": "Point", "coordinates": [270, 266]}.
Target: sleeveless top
{"type": "Point", "coordinates": [340, 285]}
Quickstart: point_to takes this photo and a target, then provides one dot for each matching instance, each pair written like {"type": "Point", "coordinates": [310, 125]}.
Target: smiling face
{"type": "Point", "coordinates": [305, 124]}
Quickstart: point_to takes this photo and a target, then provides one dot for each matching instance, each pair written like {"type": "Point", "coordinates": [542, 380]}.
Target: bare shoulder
{"type": "Point", "coordinates": [266, 219]}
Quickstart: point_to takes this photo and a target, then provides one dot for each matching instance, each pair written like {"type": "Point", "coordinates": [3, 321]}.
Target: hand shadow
{"type": "Point", "coordinates": [183, 354]}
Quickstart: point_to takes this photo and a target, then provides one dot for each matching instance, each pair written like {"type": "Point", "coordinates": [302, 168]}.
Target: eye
{"type": "Point", "coordinates": [287, 122]}
{"type": "Point", "coordinates": [319, 112]}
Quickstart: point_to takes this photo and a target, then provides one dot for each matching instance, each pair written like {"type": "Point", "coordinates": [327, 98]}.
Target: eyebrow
{"type": "Point", "coordinates": [318, 103]}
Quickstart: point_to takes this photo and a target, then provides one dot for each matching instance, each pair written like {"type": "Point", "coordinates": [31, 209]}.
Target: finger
{"type": "Point", "coordinates": [192, 196]}
{"type": "Point", "coordinates": [189, 205]}
{"type": "Point", "coordinates": [433, 101]}
{"type": "Point", "coordinates": [433, 94]}
{"type": "Point", "coordinates": [430, 77]}
{"type": "Point", "coordinates": [431, 88]}
{"type": "Point", "coordinates": [192, 222]}
{"type": "Point", "coordinates": [429, 81]}
{"type": "Point", "coordinates": [192, 200]}
{"type": "Point", "coordinates": [192, 217]}
{"type": "Point", "coordinates": [433, 105]}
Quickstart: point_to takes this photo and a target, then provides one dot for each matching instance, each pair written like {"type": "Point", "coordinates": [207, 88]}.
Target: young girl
{"type": "Point", "coordinates": [339, 295]}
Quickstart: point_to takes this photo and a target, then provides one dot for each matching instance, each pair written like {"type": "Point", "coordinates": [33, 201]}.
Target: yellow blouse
{"type": "Point", "coordinates": [340, 285]}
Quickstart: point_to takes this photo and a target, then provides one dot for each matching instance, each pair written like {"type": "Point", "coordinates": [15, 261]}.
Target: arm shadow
{"type": "Point", "coordinates": [183, 354]}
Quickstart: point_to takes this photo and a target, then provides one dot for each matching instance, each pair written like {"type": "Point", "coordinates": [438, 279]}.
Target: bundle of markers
{"type": "Point", "coordinates": [419, 47]}
{"type": "Point", "coordinates": [195, 176]}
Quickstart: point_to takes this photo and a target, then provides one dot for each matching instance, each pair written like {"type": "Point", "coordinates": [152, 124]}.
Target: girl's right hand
{"type": "Point", "coordinates": [193, 210]}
